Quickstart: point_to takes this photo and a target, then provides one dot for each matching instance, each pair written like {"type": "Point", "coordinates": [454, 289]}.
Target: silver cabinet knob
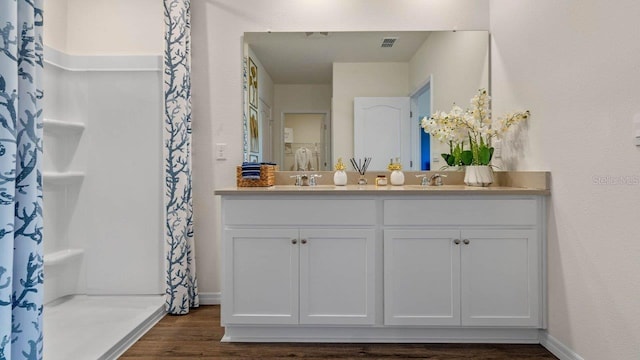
{"type": "Point", "coordinates": [294, 241]}
{"type": "Point", "coordinates": [303, 241]}
{"type": "Point", "coordinates": [466, 241]}
{"type": "Point", "coordinates": [456, 241]}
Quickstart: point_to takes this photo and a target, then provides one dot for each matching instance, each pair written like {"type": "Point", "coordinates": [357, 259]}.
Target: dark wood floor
{"type": "Point", "coordinates": [197, 336]}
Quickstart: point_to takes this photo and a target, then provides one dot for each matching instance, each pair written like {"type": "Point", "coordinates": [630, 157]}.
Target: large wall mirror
{"type": "Point", "coordinates": [312, 97]}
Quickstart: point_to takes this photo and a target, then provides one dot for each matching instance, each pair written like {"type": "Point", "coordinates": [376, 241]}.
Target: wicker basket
{"type": "Point", "coordinates": [267, 177]}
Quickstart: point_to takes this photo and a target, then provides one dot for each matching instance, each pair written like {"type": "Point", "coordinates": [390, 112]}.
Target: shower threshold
{"type": "Point", "coordinates": [97, 327]}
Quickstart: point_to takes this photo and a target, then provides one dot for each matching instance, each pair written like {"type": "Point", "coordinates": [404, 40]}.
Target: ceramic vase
{"type": "Point", "coordinates": [478, 175]}
{"type": "Point", "coordinates": [340, 178]}
{"type": "Point", "coordinates": [397, 177]}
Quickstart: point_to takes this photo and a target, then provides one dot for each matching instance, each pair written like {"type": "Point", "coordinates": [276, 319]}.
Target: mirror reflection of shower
{"type": "Point", "coordinates": [306, 142]}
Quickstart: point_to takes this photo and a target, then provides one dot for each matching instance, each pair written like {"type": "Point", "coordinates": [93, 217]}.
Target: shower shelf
{"type": "Point", "coordinates": [61, 178]}
{"type": "Point", "coordinates": [59, 127]}
{"type": "Point", "coordinates": [62, 256]}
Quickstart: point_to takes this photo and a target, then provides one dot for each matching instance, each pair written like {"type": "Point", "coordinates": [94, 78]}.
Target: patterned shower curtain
{"type": "Point", "coordinates": [21, 257]}
{"type": "Point", "coordinates": [181, 288]}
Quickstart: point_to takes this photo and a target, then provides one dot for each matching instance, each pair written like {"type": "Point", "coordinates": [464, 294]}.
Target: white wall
{"type": "Point", "coordinates": [55, 23]}
{"type": "Point", "coordinates": [574, 64]}
{"type": "Point", "coordinates": [361, 79]}
{"type": "Point", "coordinates": [458, 61]}
{"type": "Point", "coordinates": [100, 27]}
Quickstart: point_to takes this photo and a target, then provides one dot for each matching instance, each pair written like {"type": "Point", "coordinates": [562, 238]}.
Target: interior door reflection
{"type": "Point", "coordinates": [304, 142]}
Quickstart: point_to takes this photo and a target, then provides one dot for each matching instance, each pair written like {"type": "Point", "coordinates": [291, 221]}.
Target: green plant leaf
{"type": "Point", "coordinates": [467, 157]}
{"type": "Point", "coordinates": [449, 159]}
{"type": "Point", "coordinates": [484, 155]}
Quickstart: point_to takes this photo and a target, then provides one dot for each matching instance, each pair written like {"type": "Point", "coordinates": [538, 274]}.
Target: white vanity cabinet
{"type": "Point", "coordinates": [470, 277]}
{"type": "Point", "coordinates": [475, 263]}
{"type": "Point", "coordinates": [383, 266]}
{"type": "Point", "coordinates": [289, 270]}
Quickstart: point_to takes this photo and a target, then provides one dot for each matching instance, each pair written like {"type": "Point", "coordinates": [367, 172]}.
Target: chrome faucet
{"type": "Point", "coordinates": [306, 180]}
{"type": "Point", "coordinates": [298, 179]}
{"type": "Point", "coordinates": [433, 180]}
{"type": "Point", "coordinates": [312, 179]}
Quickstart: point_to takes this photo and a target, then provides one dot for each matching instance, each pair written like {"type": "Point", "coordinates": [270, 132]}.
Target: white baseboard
{"type": "Point", "coordinates": [212, 298]}
{"type": "Point", "coordinates": [557, 348]}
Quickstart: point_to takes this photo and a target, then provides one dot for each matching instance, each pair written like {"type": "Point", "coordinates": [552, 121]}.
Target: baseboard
{"type": "Point", "coordinates": [557, 348]}
{"type": "Point", "coordinates": [212, 298]}
{"type": "Point", "coordinates": [119, 348]}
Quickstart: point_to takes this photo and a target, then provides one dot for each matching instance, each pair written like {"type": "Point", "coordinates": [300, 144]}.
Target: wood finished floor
{"type": "Point", "coordinates": [197, 336]}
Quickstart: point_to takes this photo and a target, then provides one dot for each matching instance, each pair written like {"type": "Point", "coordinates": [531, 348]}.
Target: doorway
{"type": "Point", "coordinates": [421, 141]}
{"type": "Point", "coordinates": [305, 142]}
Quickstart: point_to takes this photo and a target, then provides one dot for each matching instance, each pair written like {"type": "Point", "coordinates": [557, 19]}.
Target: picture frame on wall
{"type": "Point", "coordinates": [253, 84]}
{"type": "Point", "coordinates": [254, 131]}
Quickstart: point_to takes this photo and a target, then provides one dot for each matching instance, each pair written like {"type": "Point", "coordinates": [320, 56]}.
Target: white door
{"type": "Point", "coordinates": [381, 130]}
{"type": "Point", "coordinates": [263, 288]}
{"type": "Point", "coordinates": [337, 276]}
{"type": "Point", "coordinates": [500, 278]}
{"type": "Point", "coordinates": [421, 277]}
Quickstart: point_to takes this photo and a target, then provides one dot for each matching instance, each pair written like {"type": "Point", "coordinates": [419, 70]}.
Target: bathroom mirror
{"type": "Point", "coordinates": [322, 73]}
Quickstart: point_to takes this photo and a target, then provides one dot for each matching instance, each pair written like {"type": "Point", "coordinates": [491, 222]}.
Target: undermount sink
{"type": "Point", "coordinates": [441, 187]}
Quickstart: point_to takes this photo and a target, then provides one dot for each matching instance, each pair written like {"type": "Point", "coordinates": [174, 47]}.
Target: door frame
{"type": "Point", "coordinates": [266, 135]}
{"type": "Point", "coordinates": [415, 130]}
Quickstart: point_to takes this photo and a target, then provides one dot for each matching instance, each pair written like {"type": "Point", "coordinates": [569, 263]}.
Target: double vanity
{"type": "Point", "coordinates": [361, 263]}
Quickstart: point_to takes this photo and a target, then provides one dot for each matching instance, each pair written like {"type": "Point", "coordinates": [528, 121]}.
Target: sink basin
{"type": "Point", "coordinates": [434, 188]}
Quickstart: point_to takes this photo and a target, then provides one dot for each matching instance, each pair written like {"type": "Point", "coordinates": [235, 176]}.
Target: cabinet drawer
{"type": "Point", "coordinates": [299, 212]}
{"type": "Point", "coordinates": [456, 212]}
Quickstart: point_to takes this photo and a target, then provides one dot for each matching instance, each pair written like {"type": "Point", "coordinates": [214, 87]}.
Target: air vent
{"type": "Point", "coordinates": [388, 42]}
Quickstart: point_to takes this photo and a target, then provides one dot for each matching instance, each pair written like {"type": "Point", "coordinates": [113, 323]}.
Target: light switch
{"type": "Point", "coordinates": [221, 151]}
{"type": "Point", "coordinates": [497, 149]}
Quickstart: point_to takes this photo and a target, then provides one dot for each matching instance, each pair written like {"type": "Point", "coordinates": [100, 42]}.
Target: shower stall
{"type": "Point", "coordinates": [102, 186]}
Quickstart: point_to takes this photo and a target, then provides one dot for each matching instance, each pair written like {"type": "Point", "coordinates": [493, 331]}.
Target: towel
{"type": "Point", "coordinates": [251, 170]}
{"type": "Point", "coordinates": [302, 158]}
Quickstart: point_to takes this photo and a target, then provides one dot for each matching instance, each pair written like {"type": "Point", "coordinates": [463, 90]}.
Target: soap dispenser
{"type": "Point", "coordinates": [397, 176]}
{"type": "Point", "coordinates": [340, 176]}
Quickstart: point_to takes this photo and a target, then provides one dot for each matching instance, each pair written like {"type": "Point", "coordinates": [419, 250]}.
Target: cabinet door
{"type": "Point", "coordinates": [261, 281]}
{"type": "Point", "coordinates": [421, 277]}
{"type": "Point", "coordinates": [500, 278]}
{"type": "Point", "coordinates": [337, 276]}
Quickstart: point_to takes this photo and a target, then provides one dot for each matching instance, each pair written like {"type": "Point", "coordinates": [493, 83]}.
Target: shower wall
{"type": "Point", "coordinates": [102, 175]}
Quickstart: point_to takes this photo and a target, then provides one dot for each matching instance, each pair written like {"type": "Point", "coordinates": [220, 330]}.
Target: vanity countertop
{"type": "Point", "coordinates": [382, 190]}
{"type": "Point", "coordinates": [506, 183]}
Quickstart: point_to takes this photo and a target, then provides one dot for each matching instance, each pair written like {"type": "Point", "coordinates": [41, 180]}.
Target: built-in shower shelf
{"type": "Point", "coordinates": [61, 178]}
{"type": "Point", "coordinates": [62, 256]}
{"type": "Point", "coordinates": [59, 127]}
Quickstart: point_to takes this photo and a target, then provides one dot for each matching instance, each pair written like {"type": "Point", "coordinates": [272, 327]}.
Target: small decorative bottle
{"type": "Point", "coordinates": [340, 176]}
{"type": "Point", "coordinates": [397, 176]}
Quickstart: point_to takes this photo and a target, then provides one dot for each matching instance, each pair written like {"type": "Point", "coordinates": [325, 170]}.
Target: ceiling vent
{"type": "Point", "coordinates": [388, 42]}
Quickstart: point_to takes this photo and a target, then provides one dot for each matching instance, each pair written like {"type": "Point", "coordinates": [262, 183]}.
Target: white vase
{"type": "Point", "coordinates": [397, 177]}
{"type": "Point", "coordinates": [478, 175]}
{"type": "Point", "coordinates": [340, 178]}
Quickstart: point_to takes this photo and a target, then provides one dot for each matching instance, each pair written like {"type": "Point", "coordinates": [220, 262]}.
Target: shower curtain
{"type": "Point", "coordinates": [21, 252]}
{"type": "Point", "coordinates": [181, 286]}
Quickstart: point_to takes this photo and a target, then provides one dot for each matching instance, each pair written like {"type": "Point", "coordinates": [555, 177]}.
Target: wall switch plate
{"type": "Point", "coordinates": [221, 151]}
